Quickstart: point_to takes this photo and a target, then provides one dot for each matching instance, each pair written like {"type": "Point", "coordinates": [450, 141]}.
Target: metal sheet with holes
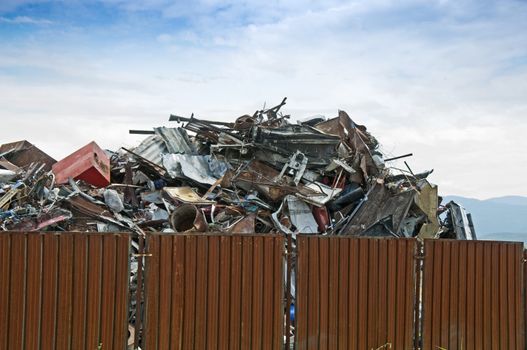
{"type": "Point", "coordinates": [355, 293]}
{"type": "Point", "coordinates": [63, 290]}
{"type": "Point", "coordinates": [473, 295]}
{"type": "Point", "coordinates": [214, 292]}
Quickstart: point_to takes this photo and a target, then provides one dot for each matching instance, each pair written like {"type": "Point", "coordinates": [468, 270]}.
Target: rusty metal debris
{"type": "Point", "coordinates": [257, 173]}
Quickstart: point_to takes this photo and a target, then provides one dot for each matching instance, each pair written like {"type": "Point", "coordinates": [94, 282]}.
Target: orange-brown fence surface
{"type": "Point", "coordinates": [355, 293]}
{"type": "Point", "coordinates": [204, 291]}
{"type": "Point", "coordinates": [473, 295]}
{"type": "Point", "coordinates": [214, 292]}
{"type": "Point", "coordinates": [63, 291]}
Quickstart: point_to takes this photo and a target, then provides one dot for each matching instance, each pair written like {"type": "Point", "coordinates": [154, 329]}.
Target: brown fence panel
{"type": "Point", "coordinates": [63, 291]}
{"type": "Point", "coordinates": [214, 292]}
{"type": "Point", "coordinates": [473, 295]}
{"type": "Point", "coordinates": [355, 293]}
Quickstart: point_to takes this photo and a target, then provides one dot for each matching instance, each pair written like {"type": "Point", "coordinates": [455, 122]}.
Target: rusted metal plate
{"type": "Point", "coordinates": [214, 292]}
{"type": "Point", "coordinates": [473, 295]}
{"type": "Point", "coordinates": [355, 293]}
{"type": "Point", "coordinates": [58, 290]}
{"type": "Point", "coordinates": [23, 153]}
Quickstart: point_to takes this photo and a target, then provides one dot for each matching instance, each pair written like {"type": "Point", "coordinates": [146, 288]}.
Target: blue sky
{"type": "Point", "coordinates": [446, 80]}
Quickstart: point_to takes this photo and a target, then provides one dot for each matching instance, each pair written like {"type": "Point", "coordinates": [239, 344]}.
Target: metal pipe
{"type": "Point", "coordinates": [399, 157]}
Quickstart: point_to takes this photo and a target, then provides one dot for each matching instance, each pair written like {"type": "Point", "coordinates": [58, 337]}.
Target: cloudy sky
{"type": "Point", "coordinates": [446, 80]}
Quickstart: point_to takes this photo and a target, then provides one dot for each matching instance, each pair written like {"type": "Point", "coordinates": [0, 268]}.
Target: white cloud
{"type": "Point", "coordinates": [25, 20]}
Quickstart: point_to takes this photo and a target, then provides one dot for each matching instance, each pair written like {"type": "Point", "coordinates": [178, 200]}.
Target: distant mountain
{"type": "Point", "coordinates": [511, 200]}
{"type": "Point", "coordinates": [501, 218]}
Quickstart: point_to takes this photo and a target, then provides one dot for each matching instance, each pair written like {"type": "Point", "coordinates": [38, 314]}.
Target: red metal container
{"type": "Point", "coordinates": [89, 164]}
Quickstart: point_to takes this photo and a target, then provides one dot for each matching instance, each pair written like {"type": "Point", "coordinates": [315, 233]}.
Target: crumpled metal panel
{"type": "Point", "coordinates": [381, 206]}
{"type": "Point", "coordinates": [203, 169]}
{"type": "Point", "coordinates": [152, 148]}
{"type": "Point", "coordinates": [166, 140]}
{"type": "Point", "coordinates": [176, 140]}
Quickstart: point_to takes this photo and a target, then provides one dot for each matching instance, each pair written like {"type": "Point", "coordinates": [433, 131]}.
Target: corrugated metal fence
{"type": "Point", "coordinates": [63, 291]}
{"type": "Point", "coordinates": [474, 295]}
{"type": "Point", "coordinates": [70, 291]}
{"type": "Point", "coordinates": [214, 292]}
{"type": "Point", "coordinates": [355, 293]}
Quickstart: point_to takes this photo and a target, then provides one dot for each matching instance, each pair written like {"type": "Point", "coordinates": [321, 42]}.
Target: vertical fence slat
{"type": "Point", "coordinates": [343, 297]}
{"type": "Point", "coordinates": [5, 267]}
{"type": "Point", "coordinates": [152, 292]}
{"type": "Point", "coordinates": [16, 291]}
{"type": "Point", "coordinates": [372, 294]}
{"type": "Point", "coordinates": [247, 289]}
{"type": "Point", "coordinates": [453, 317]}
{"type": "Point", "coordinates": [122, 273]}
{"type": "Point", "coordinates": [33, 291]}
{"type": "Point", "coordinates": [462, 300]}
{"type": "Point", "coordinates": [445, 293]}
{"type": "Point", "coordinates": [487, 297]}
{"type": "Point", "coordinates": [494, 296]}
{"type": "Point", "coordinates": [333, 293]}
{"type": "Point", "coordinates": [471, 295]}
{"type": "Point", "coordinates": [236, 285]}
{"type": "Point", "coordinates": [324, 293]}
{"type": "Point", "coordinates": [190, 292]}
{"type": "Point", "coordinates": [278, 292]}
{"type": "Point", "coordinates": [510, 300]}
{"type": "Point", "coordinates": [302, 304]}
{"type": "Point", "coordinates": [202, 259]}
{"type": "Point", "coordinates": [382, 321]}
{"type": "Point", "coordinates": [313, 294]}
{"type": "Point", "coordinates": [80, 290]}
{"type": "Point", "coordinates": [392, 291]}
{"type": "Point", "coordinates": [503, 292]}
{"type": "Point", "coordinates": [49, 291]}
{"type": "Point", "coordinates": [519, 298]}
{"type": "Point", "coordinates": [166, 249]}
{"type": "Point", "coordinates": [65, 293]}
{"type": "Point", "coordinates": [178, 292]}
{"type": "Point", "coordinates": [225, 291]}
{"type": "Point", "coordinates": [410, 289]}
{"type": "Point", "coordinates": [268, 309]}
{"type": "Point", "coordinates": [213, 292]}
{"type": "Point", "coordinates": [257, 284]}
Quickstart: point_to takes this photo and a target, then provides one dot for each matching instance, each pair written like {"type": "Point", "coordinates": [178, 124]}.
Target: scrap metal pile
{"type": "Point", "coordinates": [257, 174]}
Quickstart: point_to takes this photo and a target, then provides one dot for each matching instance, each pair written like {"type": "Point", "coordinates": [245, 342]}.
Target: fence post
{"type": "Point", "coordinates": [524, 296]}
{"type": "Point", "coordinates": [418, 302]}
{"type": "Point", "coordinates": [289, 258]}
{"type": "Point", "coordinates": [139, 292]}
